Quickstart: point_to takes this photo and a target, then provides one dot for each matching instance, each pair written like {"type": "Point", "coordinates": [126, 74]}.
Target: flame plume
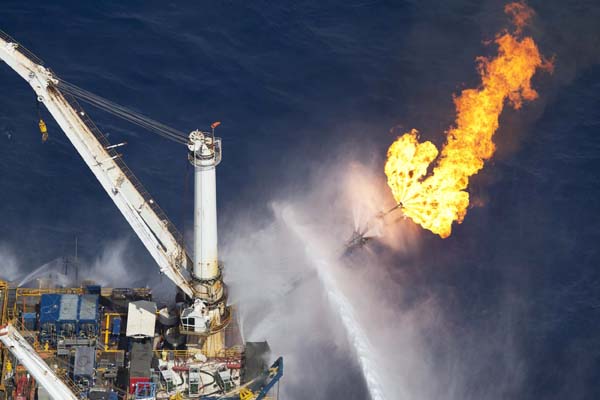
{"type": "Point", "coordinates": [435, 200]}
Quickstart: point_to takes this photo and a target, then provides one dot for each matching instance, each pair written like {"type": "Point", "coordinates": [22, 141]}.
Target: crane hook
{"type": "Point", "coordinates": [43, 130]}
{"type": "Point", "coordinates": [41, 123]}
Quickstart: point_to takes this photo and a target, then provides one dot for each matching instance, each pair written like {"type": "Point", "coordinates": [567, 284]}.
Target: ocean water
{"type": "Point", "coordinates": [301, 84]}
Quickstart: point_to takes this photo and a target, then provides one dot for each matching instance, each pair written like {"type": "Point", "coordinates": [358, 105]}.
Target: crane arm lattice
{"type": "Point", "coordinates": [157, 233]}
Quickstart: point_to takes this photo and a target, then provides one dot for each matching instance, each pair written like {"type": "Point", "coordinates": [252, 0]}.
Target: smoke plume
{"type": "Point", "coordinates": [416, 348]}
{"type": "Point", "coordinates": [9, 265]}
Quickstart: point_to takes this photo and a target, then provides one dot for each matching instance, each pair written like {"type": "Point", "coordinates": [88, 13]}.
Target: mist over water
{"type": "Point", "coordinates": [323, 265]}
{"type": "Point", "coordinates": [348, 325]}
{"type": "Point", "coordinates": [9, 265]}
{"type": "Point", "coordinates": [506, 308]}
{"type": "Point", "coordinates": [376, 321]}
{"type": "Point", "coordinates": [114, 267]}
{"type": "Point", "coordinates": [53, 270]}
{"type": "Point", "coordinates": [322, 311]}
{"type": "Point", "coordinates": [384, 320]}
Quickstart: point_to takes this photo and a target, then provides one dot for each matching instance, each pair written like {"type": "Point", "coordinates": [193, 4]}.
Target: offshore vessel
{"type": "Point", "coordinates": [93, 342]}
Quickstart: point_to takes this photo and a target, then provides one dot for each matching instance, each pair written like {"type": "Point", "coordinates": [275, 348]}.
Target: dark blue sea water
{"type": "Point", "coordinates": [296, 84]}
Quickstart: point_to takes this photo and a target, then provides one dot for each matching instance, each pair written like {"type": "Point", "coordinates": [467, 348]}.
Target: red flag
{"type": "Point", "coordinates": [215, 124]}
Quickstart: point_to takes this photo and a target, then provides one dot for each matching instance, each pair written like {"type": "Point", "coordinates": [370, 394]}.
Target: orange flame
{"type": "Point", "coordinates": [520, 13]}
{"type": "Point", "coordinates": [435, 200]}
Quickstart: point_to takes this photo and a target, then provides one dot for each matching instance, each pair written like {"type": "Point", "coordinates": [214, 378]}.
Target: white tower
{"type": "Point", "coordinates": [205, 155]}
{"type": "Point", "coordinates": [209, 309]}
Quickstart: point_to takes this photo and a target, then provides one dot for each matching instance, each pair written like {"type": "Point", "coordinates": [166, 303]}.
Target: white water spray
{"type": "Point", "coordinates": [52, 269]}
{"type": "Point", "coordinates": [359, 339]}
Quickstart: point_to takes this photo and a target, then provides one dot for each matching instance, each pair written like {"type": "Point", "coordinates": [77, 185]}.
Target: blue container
{"type": "Point", "coordinates": [69, 307]}
{"type": "Point", "coordinates": [85, 361]}
{"type": "Point", "coordinates": [93, 289]}
{"type": "Point", "coordinates": [66, 324]}
{"type": "Point", "coordinates": [49, 308]}
{"type": "Point", "coordinates": [29, 320]}
{"type": "Point", "coordinates": [88, 315]}
{"type": "Point", "coordinates": [88, 308]}
{"type": "Point", "coordinates": [116, 326]}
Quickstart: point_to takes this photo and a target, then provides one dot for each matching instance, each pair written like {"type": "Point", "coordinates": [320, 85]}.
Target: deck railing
{"type": "Point", "coordinates": [112, 152]}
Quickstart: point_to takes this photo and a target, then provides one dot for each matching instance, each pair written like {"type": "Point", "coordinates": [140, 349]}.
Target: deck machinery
{"type": "Point", "coordinates": [91, 342]}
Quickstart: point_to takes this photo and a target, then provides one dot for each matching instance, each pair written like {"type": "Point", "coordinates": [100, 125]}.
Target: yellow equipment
{"type": "Point", "coordinates": [43, 130]}
{"type": "Point", "coordinates": [246, 394]}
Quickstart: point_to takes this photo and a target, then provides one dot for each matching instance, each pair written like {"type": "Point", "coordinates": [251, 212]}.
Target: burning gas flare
{"type": "Point", "coordinates": [436, 199]}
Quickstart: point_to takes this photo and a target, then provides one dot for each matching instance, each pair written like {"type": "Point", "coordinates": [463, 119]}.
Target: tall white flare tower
{"type": "Point", "coordinates": [209, 312]}
{"type": "Point", "coordinates": [205, 155]}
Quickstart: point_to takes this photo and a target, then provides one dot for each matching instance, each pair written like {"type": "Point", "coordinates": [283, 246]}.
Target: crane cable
{"type": "Point", "coordinates": [123, 112]}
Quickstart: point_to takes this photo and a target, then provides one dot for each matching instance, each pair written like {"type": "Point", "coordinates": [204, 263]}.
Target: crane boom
{"type": "Point", "coordinates": [36, 366]}
{"type": "Point", "coordinates": [156, 232]}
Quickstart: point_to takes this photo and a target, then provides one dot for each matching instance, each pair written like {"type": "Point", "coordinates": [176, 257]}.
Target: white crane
{"type": "Point", "coordinates": [37, 367]}
{"type": "Point", "coordinates": [201, 279]}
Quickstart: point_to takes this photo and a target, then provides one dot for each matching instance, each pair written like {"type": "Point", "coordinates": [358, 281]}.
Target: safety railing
{"type": "Point", "coordinates": [35, 292]}
{"type": "Point", "coordinates": [11, 301]}
{"type": "Point", "coordinates": [63, 368]}
{"type": "Point", "coordinates": [3, 302]}
{"type": "Point", "coordinates": [127, 293]}
{"type": "Point", "coordinates": [124, 168]}
{"type": "Point", "coordinates": [5, 361]}
{"type": "Point", "coordinates": [17, 306]}
{"type": "Point", "coordinates": [235, 352]}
